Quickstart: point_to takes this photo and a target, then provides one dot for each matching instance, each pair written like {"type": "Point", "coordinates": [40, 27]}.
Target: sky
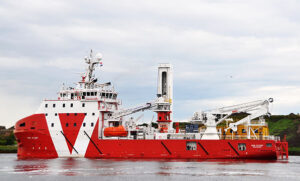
{"type": "Point", "coordinates": [223, 52]}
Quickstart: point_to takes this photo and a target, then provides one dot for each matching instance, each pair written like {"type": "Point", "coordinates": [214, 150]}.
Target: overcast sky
{"type": "Point", "coordinates": [223, 52]}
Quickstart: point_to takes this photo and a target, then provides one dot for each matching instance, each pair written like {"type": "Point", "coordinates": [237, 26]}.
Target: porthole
{"type": "Point", "coordinates": [46, 105]}
{"type": "Point", "coordinates": [92, 124]}
{"type": "Point", "coordinates": [269, 145]}
{"type": "Point", "coordinates": [242, 146]}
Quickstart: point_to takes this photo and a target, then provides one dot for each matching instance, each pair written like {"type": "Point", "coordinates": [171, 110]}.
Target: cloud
{"type": "Point", "coordinates": [223, 52]}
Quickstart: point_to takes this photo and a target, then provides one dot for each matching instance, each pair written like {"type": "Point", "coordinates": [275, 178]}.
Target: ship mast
{"type": "Point", "coordinates": [92, 61]}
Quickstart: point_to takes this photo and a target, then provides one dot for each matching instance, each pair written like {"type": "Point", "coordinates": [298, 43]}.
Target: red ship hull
{"type": "Point", "coordinates": [37, 143]}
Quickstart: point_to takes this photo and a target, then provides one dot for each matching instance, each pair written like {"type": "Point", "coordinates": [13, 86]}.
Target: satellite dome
{"type": "Point", "coordinates": [98, 56]}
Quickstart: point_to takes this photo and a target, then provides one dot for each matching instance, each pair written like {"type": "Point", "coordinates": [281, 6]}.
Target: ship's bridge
{"type": "Point", "coordinates": [107, 94]}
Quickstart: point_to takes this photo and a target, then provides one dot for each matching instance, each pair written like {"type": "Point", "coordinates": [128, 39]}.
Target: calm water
{"type": "Point", "coordinates": [143, 170]}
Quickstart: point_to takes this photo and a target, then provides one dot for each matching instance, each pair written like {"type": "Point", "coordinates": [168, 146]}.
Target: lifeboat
{"type": "Point", "coordinates": [119, 131]}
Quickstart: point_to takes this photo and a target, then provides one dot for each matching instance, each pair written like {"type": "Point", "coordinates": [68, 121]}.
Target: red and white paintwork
{"type": "Point", "coordinates": [72, 126]}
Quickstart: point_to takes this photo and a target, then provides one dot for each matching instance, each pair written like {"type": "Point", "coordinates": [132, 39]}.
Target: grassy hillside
{"type": "Point", "coordinates": [288, 125]}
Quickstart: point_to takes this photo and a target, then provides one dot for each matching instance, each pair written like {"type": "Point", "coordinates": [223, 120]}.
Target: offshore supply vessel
{"type": "Point", "coordinates": [88, 121]}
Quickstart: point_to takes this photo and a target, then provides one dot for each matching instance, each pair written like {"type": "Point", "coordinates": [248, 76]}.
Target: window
{"type": "Point", "coordinates": [85, 114]}
{"type": "Point", "coordinates": [242, 146]}
{"type": "Point", "coordinates": [256, 131]}
{"type": "Point", "coordinates": [55, 114]}
{"type": "Point", "coordinates": [92, 93]}
{"type": "Point", "coordinates": [64, 105]}
{"type": "Point", "coordinates": [46, 114]}
{"type": "Point", "coordinates": [231, 131]}
{"type": "Point", "coordinates": [67, 124]}
{"type": "Point", "coordinates": [71, 105]}
{"type": "Point", "coordinates": [75, 114]}
{"type": "Point", "coordinates": [53, 105]}
{"type": "Point", "coordinates": [191, 145]}
{"type": "Point", "coordinates": [52, 124]}
{"type": "Point", "coordinates": [84, 93]}
{"type": "Point", "coordinates": [46, 105]}
{"type": "Point", "coordinates": [88, 94]}
{"type": "Point", "coordinates": [22, 124]}
{"type": "Point", "coordinates": [83, 124]}
{"type": "Point", "coordinates": [93, 114]}
{"type": "Point", "coordinates": [243, 131]}
{"type": "Point", "coordinates": [68, 114]}
{"type": "Point", "coordinates": [269, 145]}
{"type": "Point", "coordinates": [92, 124]}
{"type": "Point", "coordinates": [74, 124]}
{"type": "Point", "coordinates": [83, 104]}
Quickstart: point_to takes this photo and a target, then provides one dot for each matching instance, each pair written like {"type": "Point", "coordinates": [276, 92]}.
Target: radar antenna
{"type": "Point", "coordinates": [92, 61]}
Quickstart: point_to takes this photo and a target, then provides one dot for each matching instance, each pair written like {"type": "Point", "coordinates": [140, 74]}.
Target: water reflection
{"type": "Point", "coordinates": [137, 168]}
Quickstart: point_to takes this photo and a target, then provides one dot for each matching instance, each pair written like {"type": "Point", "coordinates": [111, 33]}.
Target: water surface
{"type": "Point", "coordinates": [143, 170]}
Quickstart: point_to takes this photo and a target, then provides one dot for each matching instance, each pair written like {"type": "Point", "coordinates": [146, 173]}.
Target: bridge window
{"type": "Point", "coordinates": [22, 124]}
{"type": "Point", "coordinates": [84, 93]}
{"type": "Point", "coordinates": [190, 145]}
{"type": "Point", "coordinates": [46, 105]}
{"type": "Point", "coordinates": [92, 93]}
{"type": "Point", "coordinates": [88, 93]}
{"type": "Point", "coordinates": [242, 146]}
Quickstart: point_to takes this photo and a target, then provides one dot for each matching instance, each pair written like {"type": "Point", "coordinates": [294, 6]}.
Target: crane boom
{"type": "Point", "coordinates": [126, 112]}
{"type": "Point", "coordinates": [210, 119]}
